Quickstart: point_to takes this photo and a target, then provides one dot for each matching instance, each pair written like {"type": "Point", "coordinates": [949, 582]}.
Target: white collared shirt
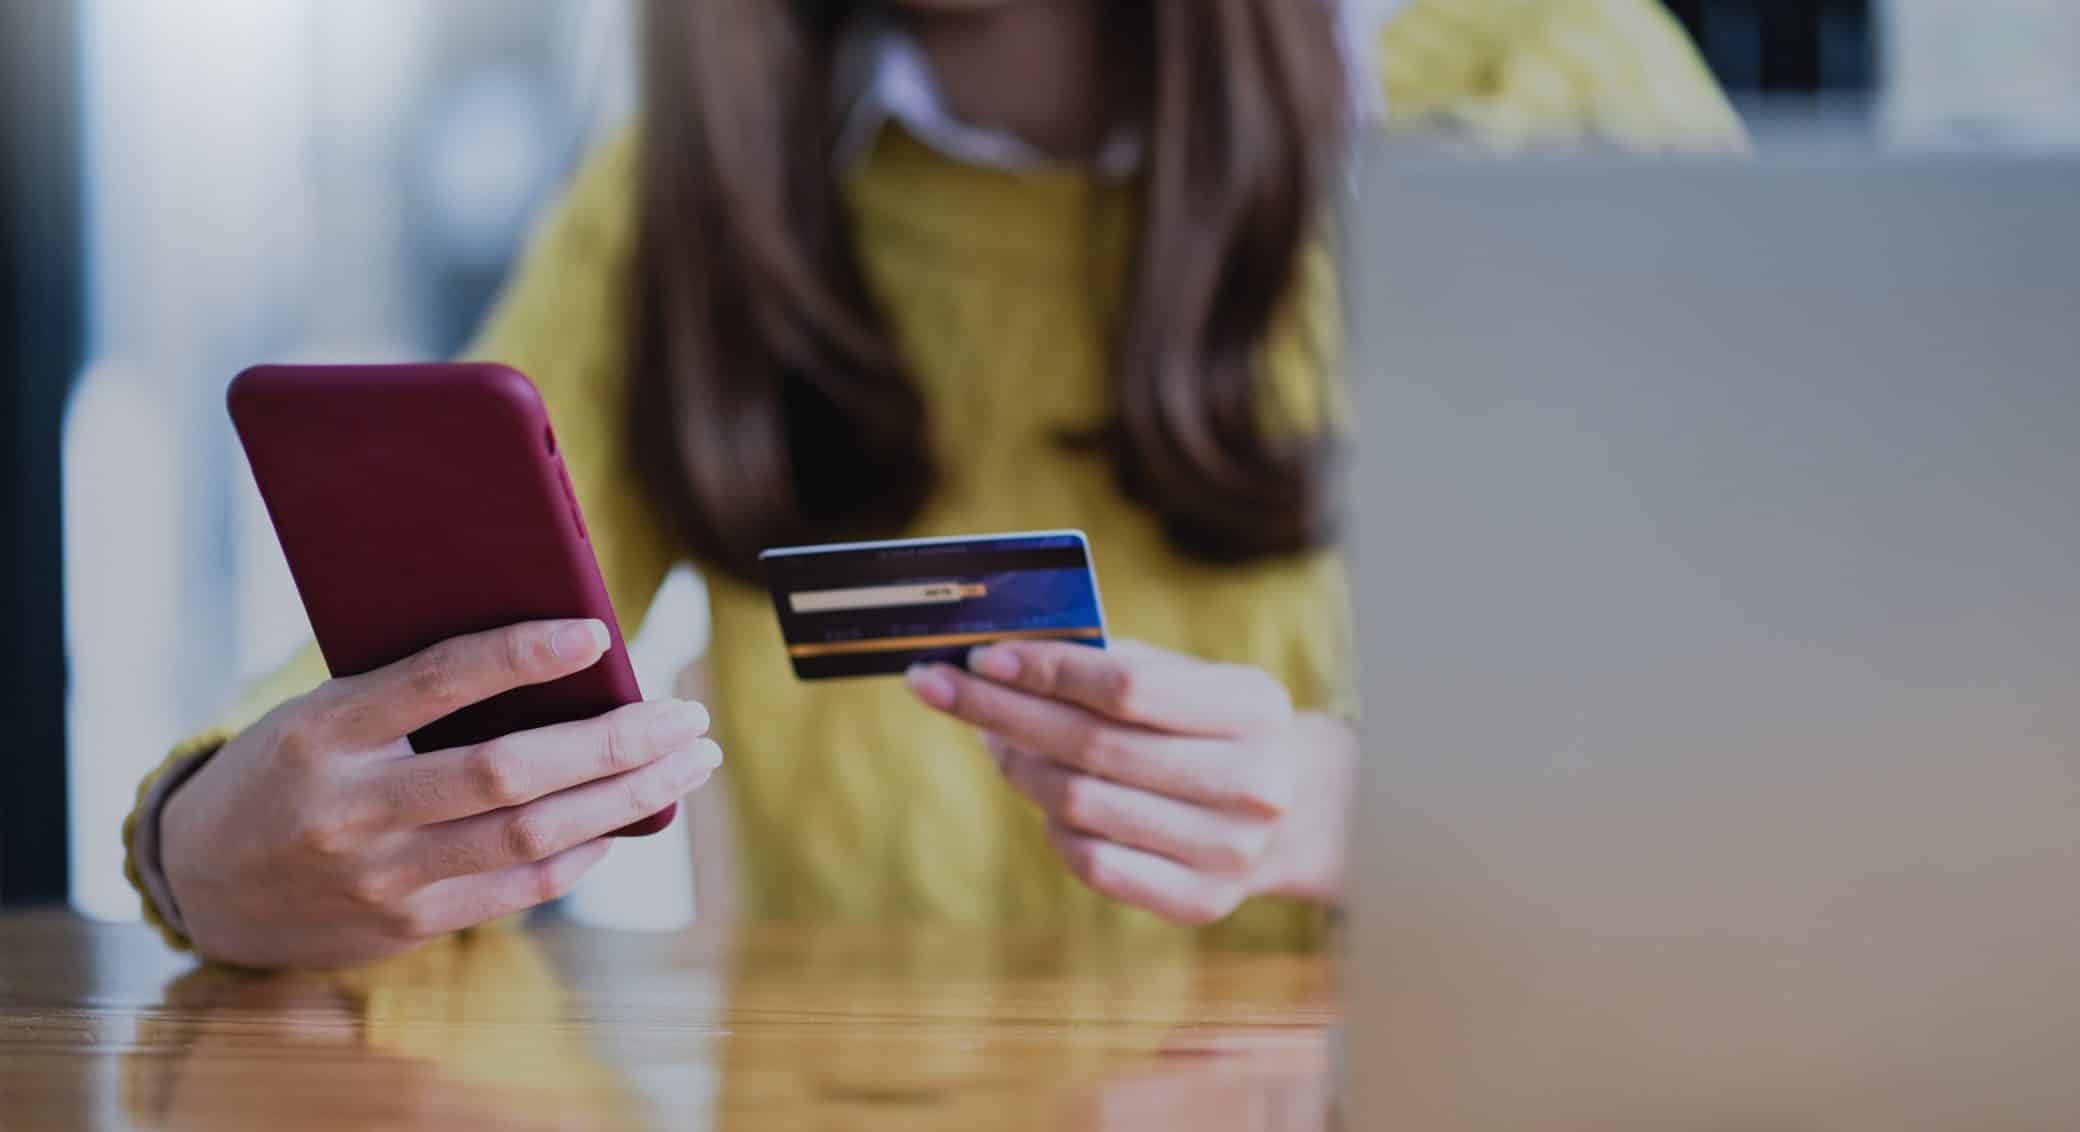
{"type": "Point", "coordinates": [884, 77]}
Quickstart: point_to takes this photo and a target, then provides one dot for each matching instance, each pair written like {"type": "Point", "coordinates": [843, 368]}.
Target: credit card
{"type": "Point", "coordinates": [876, 608]}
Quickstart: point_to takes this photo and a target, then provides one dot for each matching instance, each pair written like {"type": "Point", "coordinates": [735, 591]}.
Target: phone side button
{"type": "Point", "coordinates": [571, 495]}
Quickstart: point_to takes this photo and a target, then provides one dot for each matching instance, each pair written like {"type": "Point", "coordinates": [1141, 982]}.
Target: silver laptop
{"type": "Point", "coordinates": [1718, 559]}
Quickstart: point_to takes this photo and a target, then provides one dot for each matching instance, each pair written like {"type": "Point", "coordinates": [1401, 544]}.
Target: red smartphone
{"type": "Point", "coordinates": [421, 502]}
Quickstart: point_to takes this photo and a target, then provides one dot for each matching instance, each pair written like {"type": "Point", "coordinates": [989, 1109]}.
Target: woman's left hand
{"type": "Point", "coordinates": [1172, 783]}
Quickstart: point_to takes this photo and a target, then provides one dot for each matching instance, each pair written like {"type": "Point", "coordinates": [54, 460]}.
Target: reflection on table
{"type": "Point", "coordinates": [563, 1027]}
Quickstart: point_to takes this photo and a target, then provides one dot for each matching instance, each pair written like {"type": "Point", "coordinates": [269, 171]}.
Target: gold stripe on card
{"type": "Point", "coordinates": [943, 641]}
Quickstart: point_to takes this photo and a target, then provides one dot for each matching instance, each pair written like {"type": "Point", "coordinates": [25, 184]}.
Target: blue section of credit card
{"type": "Point", "coordinates": [876, 608]}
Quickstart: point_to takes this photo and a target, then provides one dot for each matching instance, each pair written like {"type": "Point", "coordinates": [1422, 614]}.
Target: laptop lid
{"type": "Point", "coordinates": [1718, 569]}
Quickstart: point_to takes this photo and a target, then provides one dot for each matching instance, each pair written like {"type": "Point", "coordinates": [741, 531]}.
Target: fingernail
{"type": "Point", "coordinates": [996, 748]}
{"type": "Point", "coordinates": [580, 639]}
{"type": "Point", "coordinates": [679, 725]}
{"type": "Point", "coordinates": [684, 769]}
{"type": "Point", "coordinates": [995, 663]}
{"type": "Point", "coordinates": [694, 766]}
{"type": "Point", "coordinates": [709, 754]}
{"type": "Point", "coordinates": [931, 684]}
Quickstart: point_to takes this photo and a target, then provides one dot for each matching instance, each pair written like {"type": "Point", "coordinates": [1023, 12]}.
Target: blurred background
{"type": "Point", "coordinates": [193, 187]}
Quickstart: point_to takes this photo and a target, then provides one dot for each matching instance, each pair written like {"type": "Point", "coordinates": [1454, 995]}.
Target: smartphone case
{"type": "Point", "coordinates": [421, 502]}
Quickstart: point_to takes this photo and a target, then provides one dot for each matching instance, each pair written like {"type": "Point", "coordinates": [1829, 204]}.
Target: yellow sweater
{"type": "Point", "coordinates": [850, 799]}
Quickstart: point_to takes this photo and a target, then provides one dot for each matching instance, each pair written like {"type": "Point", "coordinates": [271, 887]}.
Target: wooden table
{"type": "Point", "coordinates": [565, 1027]}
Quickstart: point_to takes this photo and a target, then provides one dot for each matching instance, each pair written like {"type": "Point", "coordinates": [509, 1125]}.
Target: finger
{"type": "Point", "coordinates": [1131, 876]}
{"type": "Point", "coordinates": [1142, 650]}
{"type": "Point", "coordinates": [1207, 772]}
{"type": "Point", "coordinates": [1137, 684]}
{"type": "Point", "coordinates": [1205, 840]}
{"type": "Point", "coordinates": [465, 902]}
{"type": "Point", "coordinates": [441, 786]}
{"type": "Point", "coordinates": [543, 828]}
{"type": "Point", "coordinates": [380, 706]}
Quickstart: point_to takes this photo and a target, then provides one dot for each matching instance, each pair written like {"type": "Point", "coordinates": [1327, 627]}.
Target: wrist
{"type": "Point", "coordinates": [1310, 854]}
{"type": "Point", "coordinates": [1309, 872]}
{"type": "Point", "coordinates": [152, 844]}
{"type": "Point", "coordinates": [170, 850]}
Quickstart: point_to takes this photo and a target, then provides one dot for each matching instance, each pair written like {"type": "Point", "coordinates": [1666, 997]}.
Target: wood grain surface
{"type": "Point", "coordinates": [558, 1026]}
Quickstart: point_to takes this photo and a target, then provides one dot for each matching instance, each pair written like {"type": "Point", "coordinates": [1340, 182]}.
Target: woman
{"type": "Point", "coordinates": [937, 266]}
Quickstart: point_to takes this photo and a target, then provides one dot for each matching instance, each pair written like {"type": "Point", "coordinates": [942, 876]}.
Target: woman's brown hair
{"type": "Point", "coordinates": [770, 406]}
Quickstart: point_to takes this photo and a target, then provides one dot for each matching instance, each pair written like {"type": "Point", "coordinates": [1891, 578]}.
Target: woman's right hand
{"type": "Point", "coordinates": [318, 837]}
